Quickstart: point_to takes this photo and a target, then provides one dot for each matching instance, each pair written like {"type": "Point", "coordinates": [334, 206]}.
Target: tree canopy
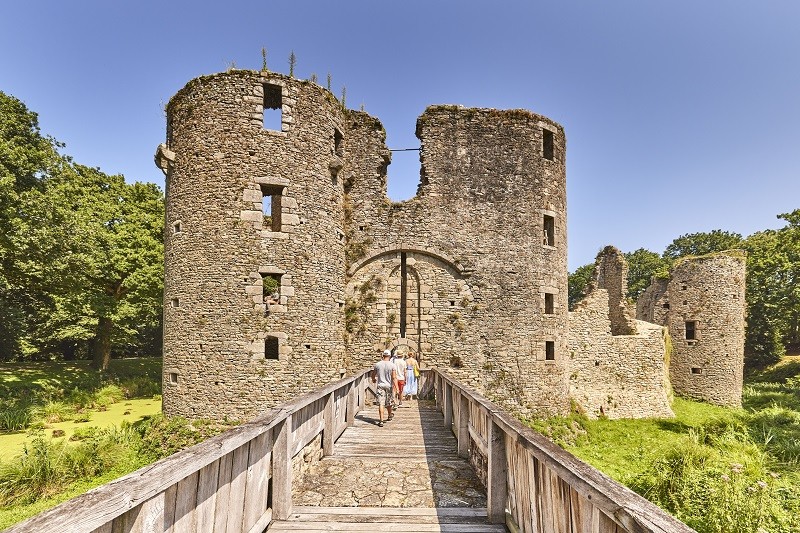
{"type": "Point", "coordinates": [82, 257]}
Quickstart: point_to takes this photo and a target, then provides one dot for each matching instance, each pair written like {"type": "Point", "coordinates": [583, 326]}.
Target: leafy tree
{"type": "Point", "coordinates": [773, 291]}
{"type": "Point", "coordinates": [578, 283]}
{"type": "Point", "coordinates": [702, 243]}
{"type": "Point", "coordinates": [642, 266]}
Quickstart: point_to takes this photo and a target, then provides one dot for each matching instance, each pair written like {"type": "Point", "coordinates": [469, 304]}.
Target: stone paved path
{"type": "Point", "coordinates": [410, 465]}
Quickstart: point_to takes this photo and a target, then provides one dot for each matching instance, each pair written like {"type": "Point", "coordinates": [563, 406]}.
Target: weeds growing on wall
{"type": "Point", "coordinates": [356, 307]}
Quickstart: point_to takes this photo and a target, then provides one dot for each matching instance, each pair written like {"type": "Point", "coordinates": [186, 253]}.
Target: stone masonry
{"type": "Point", "coordinates": [703, 306]}
{"type": "Point", "coordinates": [618, 375]}
{"type": "Point", "coordinates": [286, 265]}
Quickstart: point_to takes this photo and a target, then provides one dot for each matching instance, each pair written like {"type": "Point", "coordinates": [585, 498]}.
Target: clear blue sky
{"type": "Point", "coordinates": [681, 116]}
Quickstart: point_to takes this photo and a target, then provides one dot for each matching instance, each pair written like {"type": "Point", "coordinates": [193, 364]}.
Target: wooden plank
{"type": "Point", "coordinates": [463, 426]}
{"type": "Point", "coordinates": [497, 484]}
{"type": "Point", "coordinates": [223, 493]}
{"type": "Point", "coordinates": [206, 493]}
{"type": "Point", "coordinates": [170, 495]}
{"type": "Point", "coordinates": [448, 406]}
{"type": "Point", "coordinates": [580, 513]}
{"type": "Point", "coordinates": [105, 528]}
{"type": "Point", "coordinates": [480, 442]}
{"type": "Point", "coordinates": [146, 518]}
{"type": "Point", "coordinates": [329, 423]}
{"type": "Point", "coordinates": [236, 500]}
{"type": "Point", "coordinates": [282, 471]}
{"type": "Point", "coordinates": [352, 404]}
{"type": "Point", "coordinates": [379, 528]}
{"type": "Point", "coordinates": [185, 504]}
{"type": "Point", "coordinates": [606, 524]}
{"type": "Point", "coordinates": [255, 503]}
{"type": "Point", "coordinates": [399, 511]}
{"type": "Point", "coordinates": [261, 524]}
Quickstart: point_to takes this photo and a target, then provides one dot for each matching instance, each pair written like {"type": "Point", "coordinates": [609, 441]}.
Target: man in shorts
{"type": "Point", "coordinates": [384, 376]}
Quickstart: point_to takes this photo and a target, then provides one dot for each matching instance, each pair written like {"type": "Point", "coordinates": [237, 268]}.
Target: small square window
{"type": "Point", "coordinates": [271, 288]}
{"type": "Point", "coordinates": [173, 377]}
{"type": "Point", "coordinates": [273, 105]}
{"type": "Point", "coordinates": [697, 370]}
{"type": "Point", "coordinates": [176, 227]}
{"type": "Point", "coordinates": [549, 303]}
{"type": "Point", "coordinates": [176, 302]}
{"type": "Point", "coordinates": [549, 350]}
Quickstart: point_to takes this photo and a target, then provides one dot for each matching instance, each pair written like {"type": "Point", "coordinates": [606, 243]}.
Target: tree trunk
{"type": "Point", "coordinates": [101, 353]}
{"type": "Point", "coordinates": [69, 349]}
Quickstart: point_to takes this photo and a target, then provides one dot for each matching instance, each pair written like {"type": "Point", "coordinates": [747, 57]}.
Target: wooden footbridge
{"type": "Point", "coordinates": [456, 463]}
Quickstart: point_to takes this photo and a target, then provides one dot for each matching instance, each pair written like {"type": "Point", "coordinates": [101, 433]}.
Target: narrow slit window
{"type": "Point", "coordinates": [697, 370]}
{"type": "Point", "coordinates": [549, 235]}
{"type": "Point", "coordinates": [271, 348]}
{"type": "Point", "coordinates": [173, 377]}
{"type": "Point", "coordinates": [271, 207]}
{"type": "Point", "coordinates": [550, 350]}
{"type": "Point", "coordinates": [691, 330]}
{"type": "Point", "coordinates": [176, 227]}
{"type": "Point", "coordinates": [547, 144]}
{"type": "Point", "coordinates": [337, 142]}
{"type": "Point", "coordinates": [273, 104]}
{"type": "Point", "coordinates": [549, 305]}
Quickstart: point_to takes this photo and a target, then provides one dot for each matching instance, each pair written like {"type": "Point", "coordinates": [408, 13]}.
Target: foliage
{"type": "Point", "coordinates": [773, 291]}
{"type": "Point", "coordinates": [81, 251]}
{"type": "Point", "coordinates": [161, 436]}
{"type": "Point", "coordinates": [579, 282]}
{"type": "Point", "coordinates": [643, 265]}
{"type": "Point", "coordinates": [702, 243]}
{"type": "Point", "coordinates": [715, 468]}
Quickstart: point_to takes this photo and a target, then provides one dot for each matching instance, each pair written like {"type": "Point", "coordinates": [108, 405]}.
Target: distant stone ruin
{"type": "Point", "coordinates": [287, 266]}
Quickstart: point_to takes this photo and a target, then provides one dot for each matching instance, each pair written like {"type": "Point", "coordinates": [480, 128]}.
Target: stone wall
{"type": "Point", "coordinates": [618, 376]}
{"type": "Point", "coordinates": [471, 273]}
{"type": "Point", "coordinates": [611, 274]}
{"type": "Point", "coordinates": [705, 312]}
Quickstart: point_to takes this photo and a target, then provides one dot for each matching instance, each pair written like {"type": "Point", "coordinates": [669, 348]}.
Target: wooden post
{"type": "Point", "coordinates": [282, 470]}
{"type": "Point", "coordinates": [448, 405]}
{"type": "Point", "coordinates": [352, 400]}
{"type": "Point", "coordinates": [497, 478]}
{"type": "Point", "coordinates": [463, 427]}
{"type": "Point", "coordinates": [438, 382]}
{"type": "Point", "coordinates": [329, 421]}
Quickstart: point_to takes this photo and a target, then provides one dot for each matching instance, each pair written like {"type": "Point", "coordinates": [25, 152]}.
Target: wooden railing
{"type": "Point", "coordinates": [236, 482]}
{"type": "Point", "coordinates": [533, 485]}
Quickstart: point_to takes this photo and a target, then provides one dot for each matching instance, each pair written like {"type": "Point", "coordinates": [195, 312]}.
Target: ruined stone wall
{"type": "Point", "coordinates": [653, 303]}
{"type": "Point", "coordinates": [475, 231]}
{"type": "Point", "coordinates": [477, 259]}
{"type": "Point", "coordinates": [708, 292]}
{"type": "Point", "coordinates": [611, 274]}
{"type": "Point", "coordinates": [618, 376]}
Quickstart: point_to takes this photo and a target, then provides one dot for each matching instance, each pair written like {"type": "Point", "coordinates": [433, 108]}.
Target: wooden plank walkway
{"type": "Point", "coordinates": [405, 476]}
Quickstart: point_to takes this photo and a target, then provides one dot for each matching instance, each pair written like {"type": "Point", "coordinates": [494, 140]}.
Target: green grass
{"type": "Point", "coordinates": [717, 469]}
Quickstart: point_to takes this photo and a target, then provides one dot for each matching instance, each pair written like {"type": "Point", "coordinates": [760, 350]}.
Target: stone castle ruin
{"type": "Point", "coordinates": [287, 266]}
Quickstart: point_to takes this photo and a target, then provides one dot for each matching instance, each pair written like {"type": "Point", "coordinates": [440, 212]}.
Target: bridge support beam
{"type": "Point", "coordinates": [497, 484]}
{"type": "Point", "coordinates": [282, 470]}
{"type": "Point", "coordinates": [352, 402]}
{"type": "Point", "coordinates": [329, 421]}
{"type": "Point", "coordinates": [463, 426]}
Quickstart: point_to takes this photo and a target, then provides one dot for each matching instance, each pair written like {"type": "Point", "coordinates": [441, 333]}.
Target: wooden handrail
{"type": "Point", "coordinates": [543, 487]}
{"type": "Point", "coordinates": [155, 496]}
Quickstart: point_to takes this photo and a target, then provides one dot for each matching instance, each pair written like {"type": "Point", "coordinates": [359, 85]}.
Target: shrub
{"type": "Point", "coordinates": [15, 418]}
{"type": "Point", "coordinates": [161, 436]}
{"type": "Point", "coordinates": [53, 412]}
{"type": "Point", "coordinates": [108, 395]}
{"type": "Point", "coordinates": [140, 387]}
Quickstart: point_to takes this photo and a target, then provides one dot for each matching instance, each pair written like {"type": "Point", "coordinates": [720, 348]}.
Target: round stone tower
{"type": "Point", "coordinates": [253, 210]}
{"type": "Point", "coordinates": [706, 320]}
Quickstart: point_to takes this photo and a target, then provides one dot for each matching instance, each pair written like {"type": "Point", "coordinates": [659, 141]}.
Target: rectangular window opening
{"type": "Point", "coordinates": [549, 303]}
{"type": "Point", "coordinates": [176, 302]}
{"type": "Point", "coordinates": [173, 377]}
{"type": "Point", "coordinates": [176, 227]}
{"type": "Point", "coordinates": [547, 144]}
{"type": "Point", "coordinates": [691, 330]}
{"type": "Point", "coordinates": [271, 206]}
{"type": "Point", "coordinates": [273, 104]}
{"type": "Point", "coordinates": [696, 370]}
{"type": "Point", "coordinates": [549, 235]}
{"type": "Point", "coordinates": [271, 348]}
{"type": "Point", "coordinates": [272, 288]}
{"type": "Point", "coordinates": [549, 350]}
{"type": "Point", "coordinates": [337, 142]}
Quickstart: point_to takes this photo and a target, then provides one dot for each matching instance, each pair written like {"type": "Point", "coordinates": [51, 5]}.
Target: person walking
{"type": "Point", "coordinates": [400, 369]}
{"type": "Point", "coordinates": [384, 375]}
{"type": "Point", "coordinates": [412, 374]}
